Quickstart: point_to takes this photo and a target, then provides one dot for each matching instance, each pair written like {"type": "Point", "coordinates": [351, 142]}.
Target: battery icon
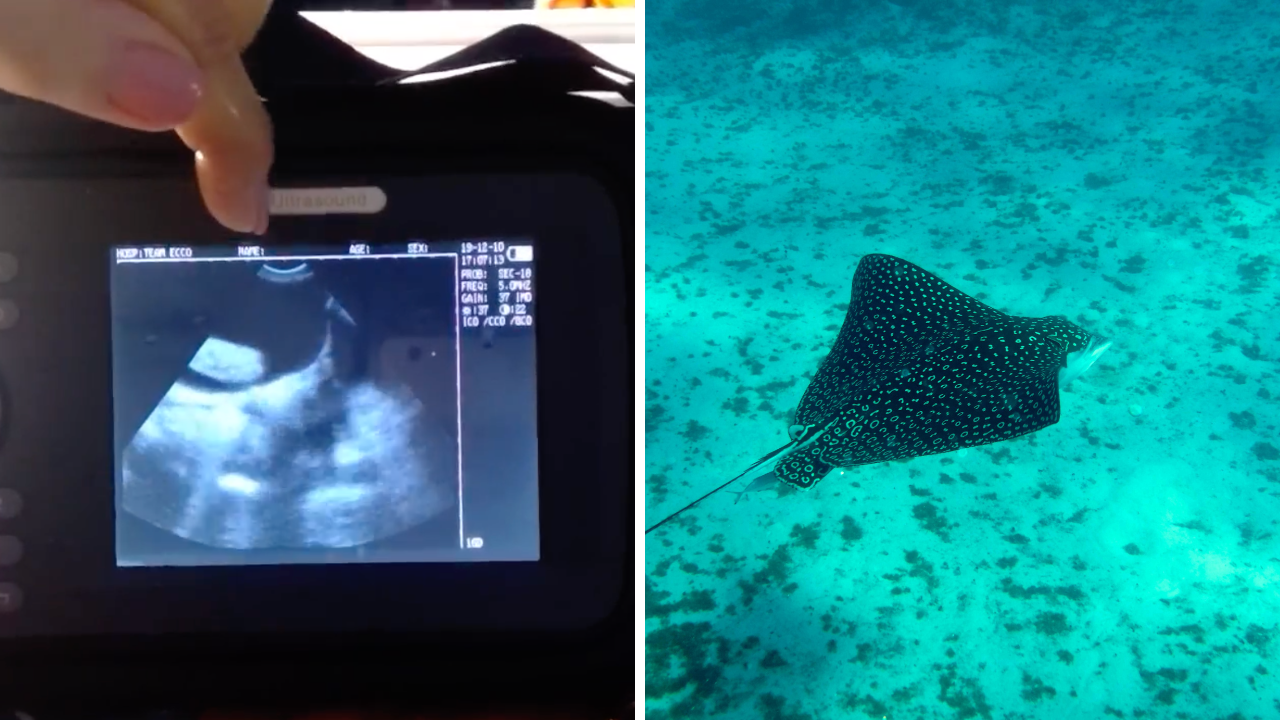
{"type": "Point", "coordinates": [520, 253]}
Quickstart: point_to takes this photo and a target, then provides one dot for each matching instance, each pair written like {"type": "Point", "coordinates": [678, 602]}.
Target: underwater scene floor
{"type": "Point", "coordinates": [1113, 163]}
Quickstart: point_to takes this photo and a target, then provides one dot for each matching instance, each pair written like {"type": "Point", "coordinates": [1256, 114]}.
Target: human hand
{"type": "Point", "coordinates": [154, 65]}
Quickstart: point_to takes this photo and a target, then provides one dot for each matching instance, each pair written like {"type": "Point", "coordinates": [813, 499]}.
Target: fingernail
{"type": "Point", "coordinates": [153, 85]}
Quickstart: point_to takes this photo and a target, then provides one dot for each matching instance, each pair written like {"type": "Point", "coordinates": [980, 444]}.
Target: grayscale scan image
{"type": "Point", "coordinates": [297, 405]}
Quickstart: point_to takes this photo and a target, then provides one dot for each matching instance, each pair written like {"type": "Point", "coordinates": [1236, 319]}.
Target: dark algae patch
{"type": "Point", "coordinates": [655, 604]}
{"type": "Point", "coordinates": [1094, 181]}
{"type": "Point", "coordinates": [772, 660]}
{"type": "Point", "coordinates": [868, 705]}
{"type": "Point", "coordinates": [695, 431]}
{"type": "Point", "coordinates": [1017, 539]}
{"type": "Point", "coordinates": [776, 572]}
{"type": "Point", "coordinates": [805, 536]}
{"type": "Point", "coordinates": [931, 519]}
{"type": "Point", "coordinates": [655, 415]}
{"type": "Point", "coordinates": [777, 569]}
{"type": "Point", "coordinates": [1253, 273]}
{"type": "Point", "coordinates": [1243, 420]}
{"type": "Point", "coordinates": [687, 657]}
{"type": "Point", "coordinates": [849, 530]}
{"type": "Point", "coordinates": [1163, 683]}
{"type": "Point", "coordinates": [1194, 632]}
{"type": "Point", "coordinates": [1052, 623]}
{"type": "Point", "coordinates": [963, 695]}
{"type": "Point", "coordinates": [774, 707]}
{"type": "Point", "coordinates": [1133, 264]}
{"type": "Point", "coordinates": [1034, 689]}
{"type": "Point", "coordinates": [1068, 592]}
{"type": "Point", "coordinates": [921, 568]}
{"type": "Point", "coordinates": [738, 405]}
{"type": "Point", "coordinates": [1266, 451]}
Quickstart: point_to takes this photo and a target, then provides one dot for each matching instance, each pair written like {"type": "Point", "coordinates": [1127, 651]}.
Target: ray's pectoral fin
{"type": "Point", "coordinates": [803, 468]}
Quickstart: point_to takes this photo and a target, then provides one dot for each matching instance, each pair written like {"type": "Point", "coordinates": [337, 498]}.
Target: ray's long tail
{"type": "Point", "coordinates": [737, 477]}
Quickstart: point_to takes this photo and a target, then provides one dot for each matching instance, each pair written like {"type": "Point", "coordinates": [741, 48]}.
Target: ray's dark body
{"type": "Point", "coordinates": [921, 368]}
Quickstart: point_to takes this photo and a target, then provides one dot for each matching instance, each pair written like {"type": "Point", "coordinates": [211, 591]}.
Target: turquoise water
{"type": "Point", "coordinates": [1114, 163]}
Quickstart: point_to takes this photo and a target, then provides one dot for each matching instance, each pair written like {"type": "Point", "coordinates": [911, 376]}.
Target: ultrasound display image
{"type": "Point", "coordinates": [297, 404]}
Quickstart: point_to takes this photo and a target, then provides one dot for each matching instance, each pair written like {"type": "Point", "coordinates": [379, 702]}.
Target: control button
{"type": "Point", "coordinates": [8, 266]}
{"type": "Point", "coordinates": [10, 504]}
{"type": "Point", "coordinates": [10, 550]}
{"type": "Point", "coordinates": [10, 598]}
{"type": "Point", "coordinates": [8, 314]}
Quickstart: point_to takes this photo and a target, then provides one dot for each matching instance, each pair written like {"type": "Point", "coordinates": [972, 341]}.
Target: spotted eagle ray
{"type": "Point", "coordinates": [921, 368]}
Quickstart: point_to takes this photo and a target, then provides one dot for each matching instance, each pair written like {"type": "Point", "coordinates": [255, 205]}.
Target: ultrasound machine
{"type": "Point", "coordinates": [382, 454]}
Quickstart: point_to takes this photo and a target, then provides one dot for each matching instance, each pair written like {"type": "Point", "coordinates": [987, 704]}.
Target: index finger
{"type": "Point", "coordinates": [230, 131]}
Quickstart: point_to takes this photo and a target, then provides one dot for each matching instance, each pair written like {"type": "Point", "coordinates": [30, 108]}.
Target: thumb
{"type": "Point", "coordinates": [100, 58]}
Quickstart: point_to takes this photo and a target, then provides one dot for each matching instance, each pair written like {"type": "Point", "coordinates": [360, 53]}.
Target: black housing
{"type": "Point", "coordinates": [339, 115]}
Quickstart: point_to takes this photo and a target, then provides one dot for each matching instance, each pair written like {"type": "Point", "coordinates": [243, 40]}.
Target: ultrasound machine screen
{"type": "Point", "coordinates": [294, 404]}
